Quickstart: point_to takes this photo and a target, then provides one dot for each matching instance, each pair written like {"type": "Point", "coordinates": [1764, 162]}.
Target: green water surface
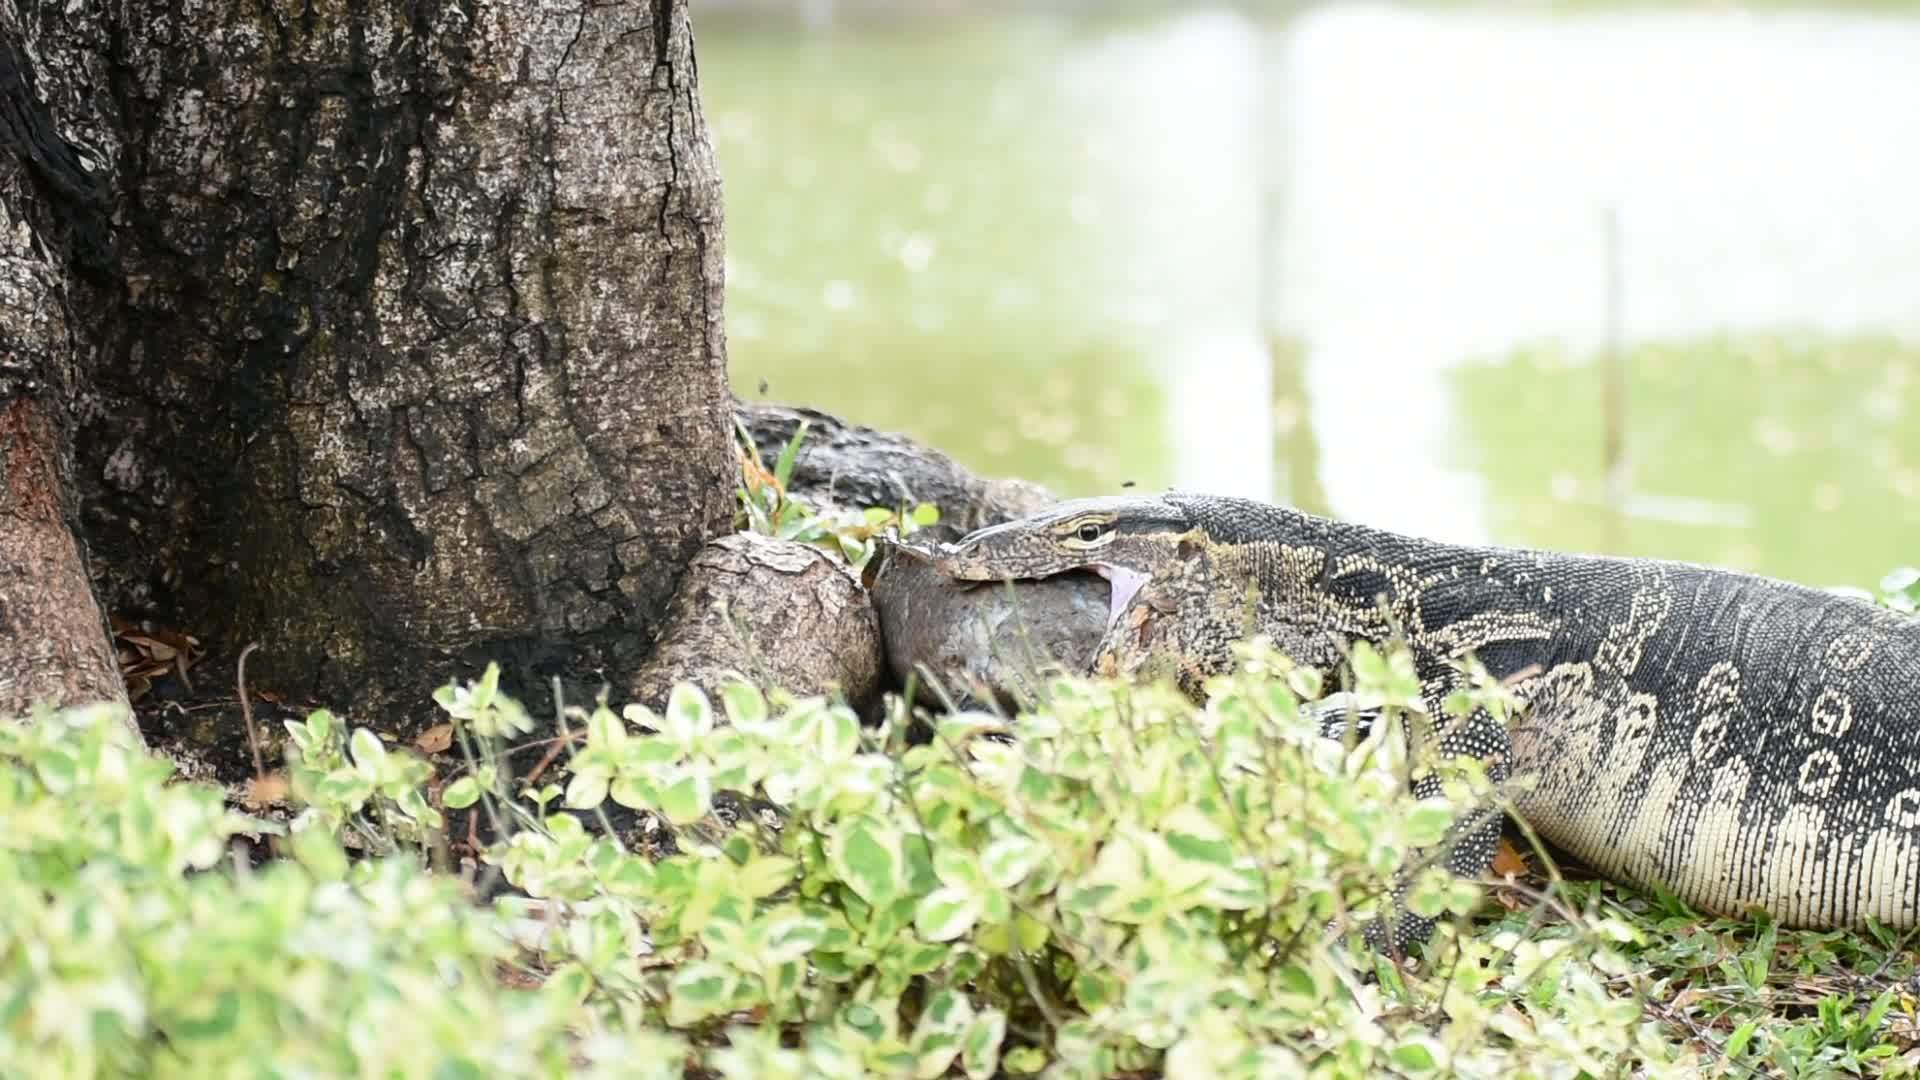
{"type": "Point", "coordinates": [916, 241]}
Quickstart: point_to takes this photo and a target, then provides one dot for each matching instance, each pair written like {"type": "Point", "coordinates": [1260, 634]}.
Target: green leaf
{"type": "Point", "coordinates": [956, 867]}
{"type": "Point", "coordinates": [651, 750]}
{"type": "Point", "coordinates": [369, 754]}
{"type": "Point", "coordinates": [698, 990]}
{"type": "Point", "coordinates": [586, 790]}
{"type": "Point", "coordinates": [1197, 849]}
{"type": "Point", "coordinates": [790, 936]}
{"type": "Point", "coordinates": [1878, 1011]}
{"type": "Point", "coordinates": [737, 849]}
{"type": "Point", "coordinates": [1029, 933]}
{"type": "Point", "coordinates": [1737, 1042]}
{"type": "Point", "coordinates": [204, 1022]}
{"type": "Point", "coordinates": [863, 1019]}
{"type": "Point", "coordinates": [783, 465]}
{"type": "Point", "coordinates": [745, 705]}
{"type": "Point", "coordinates": [57, 771]}
{"type": "Point", "coordinates": [946, 913]}
{"type": "Point", "coordinates": [1415, 1057]}
{"type": "Point", "coordinates": [321, 854]}
{"type": "Point", "coordinates": [926, 514]}
{"type": "Point", "coordinates": [303, 739]}
{"type": "Point", "coordinates": [1120, 867]}
{"type": "Point", "coordinates": [1094, 990]}
{"type": "Point", "coordinates": [571, 983]}
{"type": "Point", "coordinates": [606, 729]}
{"type": "Point", "coordinates": [980, 1046]}
{"type": "Point", "coordinates": [1369, 668]}
{"type": "Point", "coordinates": [487, 688]}
{"type": "Point", "coordinates": [634, 792]}
{"type": "Point", "coordinates": [1428, 896]}
{"type": "Point", "coordinates": [920, 959]}
{"type": "Point", "coordinates": [1008, 860]}
{"type": "Point", "coordinates": [689, 715]}
{"type": "Point", "coordinates": [765, 875]}
{"type": "Point", "coordinates": [1025, 1060]}
{"type": "Point", "coordinates": [631, 876]}
{"type": "Point", "coordinates": [1427, 823]}
{"type": "Point", "coordinates": [687, 799]}
{"type": "Point", "coordinates": [937, 1037]}
{"type": "Point", "coordinates": [839, 735]}
{"type": "Point", "coordinates": [868, 855]}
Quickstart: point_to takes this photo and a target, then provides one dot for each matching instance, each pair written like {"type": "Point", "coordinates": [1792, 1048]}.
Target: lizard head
{"type": "Point", "coordinates": [1124, 539]}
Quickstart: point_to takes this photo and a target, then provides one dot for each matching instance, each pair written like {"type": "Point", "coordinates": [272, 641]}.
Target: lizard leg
{"type": "Point", "coordinates": [1469, 845]}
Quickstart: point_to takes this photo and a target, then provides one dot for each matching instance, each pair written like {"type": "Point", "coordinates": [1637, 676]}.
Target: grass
{"type": "Point", "coordinates": [1751, 998]}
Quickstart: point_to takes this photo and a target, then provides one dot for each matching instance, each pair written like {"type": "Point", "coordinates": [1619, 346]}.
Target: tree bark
{"type": "Point", "coordinates": [774, 612]}
{"type": "Point", "coordinates": [403, 347]}
{"type": "Point", "coordinates": [846, 465]}
{"type": "Point", "coordinates": [787, 615]}
{"type": "Point", "coordinates": [53, 642]}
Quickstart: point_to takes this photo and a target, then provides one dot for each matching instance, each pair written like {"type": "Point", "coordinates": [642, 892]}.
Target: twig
{"type": "Point", "coordinates": [553, 752]}
{"type": "Point", "coordinates": [1035, 991]}
{"type": "Point", "coordinates": [246, 710]}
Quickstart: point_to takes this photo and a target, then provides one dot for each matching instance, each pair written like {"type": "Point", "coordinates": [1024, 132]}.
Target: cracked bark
{"type": "Point", "coordinates": [407, 352]}
{"type": "Point", "coordinates": [774, 612]}
{"type": "Point", "coordinates": [53, 643]}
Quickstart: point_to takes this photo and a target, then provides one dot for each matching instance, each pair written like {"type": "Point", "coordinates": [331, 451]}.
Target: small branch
{"type": "Point", "coordinates": [246, 710]}
{"type": "Point", "coordinates": [553, 752]}
{"type": "Point", "coordinates": [1036, 992]}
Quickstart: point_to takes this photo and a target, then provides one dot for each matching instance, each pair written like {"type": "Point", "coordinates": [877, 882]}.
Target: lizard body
{"type": "Point", "coordinates": [1747, 743]}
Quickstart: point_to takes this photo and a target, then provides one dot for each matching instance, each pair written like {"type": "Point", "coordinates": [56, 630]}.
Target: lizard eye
{"type": "Point", "coordinates": [1088, 533]}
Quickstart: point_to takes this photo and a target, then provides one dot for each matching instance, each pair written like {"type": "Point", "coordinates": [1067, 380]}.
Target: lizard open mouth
{"type": "Point", "coordinates": [1126, 585]}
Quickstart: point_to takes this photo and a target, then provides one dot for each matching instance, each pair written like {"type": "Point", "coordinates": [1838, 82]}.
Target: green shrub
{"type": "Point", "coordinates": [1133, 883]}
{"type": "Point", "coordinates": [130, 946]}
{"type": "Point", "coordinates": [765, 506]}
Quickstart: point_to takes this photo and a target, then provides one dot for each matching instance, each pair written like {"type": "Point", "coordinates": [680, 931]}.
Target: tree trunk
{"type": "Point", "coordinates": [53, 643]}
{"type": "Point", "coordinates": [55, 647]}
{"type": "Point", "coordinates": [774, 612]}
{"type": "Point", "coordinates": [784, 614]}
{"type": "Point", "coordinates": [408, 351]}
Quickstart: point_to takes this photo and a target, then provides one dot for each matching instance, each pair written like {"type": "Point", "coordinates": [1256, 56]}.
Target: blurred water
{"type": "Point", "coordinates": [1178, 106]}
{"type": "Point", "coordinates": [1356, 259]}
{"type": "Point", "coordinates": [1449, 177]}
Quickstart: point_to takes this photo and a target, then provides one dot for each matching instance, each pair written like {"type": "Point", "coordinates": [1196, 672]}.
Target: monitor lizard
{"type": "Point", "coordinates": [1744, 742]}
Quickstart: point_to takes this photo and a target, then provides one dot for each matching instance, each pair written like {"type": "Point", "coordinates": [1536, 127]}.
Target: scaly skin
{"type": "Point", "coordinates": [1746, 743]}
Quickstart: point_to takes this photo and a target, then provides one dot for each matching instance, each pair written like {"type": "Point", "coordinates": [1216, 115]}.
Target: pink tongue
{"type": "Point", "coordinates": [1126, 584]}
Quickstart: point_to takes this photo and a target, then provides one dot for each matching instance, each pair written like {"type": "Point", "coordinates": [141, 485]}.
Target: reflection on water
{"type": "Point", "coordinates": [1355, 259]}
{"type": "Point", "coordinates": [1803, 461]}
{"type": "Point", "coordinates": [1449, 181]}
{"type": "Point", "coordinates": [910, 244]}
{"type": "Point", "coordinates": [1173, 110]}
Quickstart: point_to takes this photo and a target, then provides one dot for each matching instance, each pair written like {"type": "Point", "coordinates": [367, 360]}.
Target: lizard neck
{"type": "Point", "coordinates": [1507, 606]}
